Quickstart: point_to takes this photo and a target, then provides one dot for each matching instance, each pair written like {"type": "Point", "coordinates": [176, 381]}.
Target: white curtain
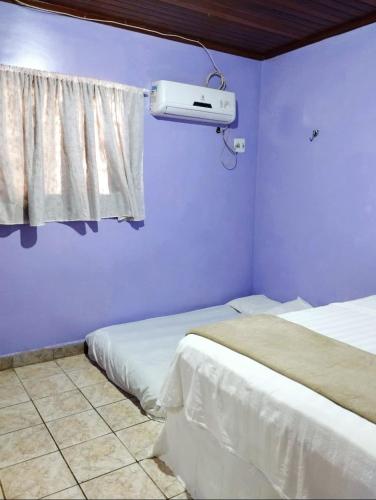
{"type": "Point", "coordinates": [70, 148]}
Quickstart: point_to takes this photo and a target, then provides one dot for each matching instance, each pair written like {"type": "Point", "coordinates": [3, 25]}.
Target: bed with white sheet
{"type": "Point", "coordinates": [237, 429]}
{"type": "Point", "coordinates": [136, 356]}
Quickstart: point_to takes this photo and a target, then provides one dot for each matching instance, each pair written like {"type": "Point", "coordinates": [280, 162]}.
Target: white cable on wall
{"type": "Point", "coordinates": [217, 71]}
{"type": "Point", "coordinates": [227, 146]}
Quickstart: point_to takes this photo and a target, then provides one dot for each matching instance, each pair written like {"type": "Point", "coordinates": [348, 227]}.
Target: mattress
{"type": "Point", "coordinates": [136, 356]}
{"type": "Point", "coordinates": [304, 445]}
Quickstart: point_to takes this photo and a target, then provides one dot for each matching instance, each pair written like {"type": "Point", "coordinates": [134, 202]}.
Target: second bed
{"type": "Point", "coordinates": [136, 356]}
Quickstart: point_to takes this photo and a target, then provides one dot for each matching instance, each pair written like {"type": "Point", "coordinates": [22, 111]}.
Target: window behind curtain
{"type": "Point", "coordinates": [70, 148]}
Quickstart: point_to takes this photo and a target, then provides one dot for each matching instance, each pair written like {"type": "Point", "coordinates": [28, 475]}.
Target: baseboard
{"type": "Point", "coordinates": [41, 355]}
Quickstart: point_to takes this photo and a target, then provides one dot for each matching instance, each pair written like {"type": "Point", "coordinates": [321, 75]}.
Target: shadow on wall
{"type": "Point", "coordinates": [29, 234]}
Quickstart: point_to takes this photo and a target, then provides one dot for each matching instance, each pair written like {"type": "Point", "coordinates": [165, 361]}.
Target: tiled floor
{"type": "Point", "coordinates": [66, 432]}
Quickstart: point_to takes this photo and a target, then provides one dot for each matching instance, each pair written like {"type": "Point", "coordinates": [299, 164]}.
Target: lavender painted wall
{"type": "Point", "coordinates": [59, 282]}
{"type": "Point", "coordinates": [315, 223]}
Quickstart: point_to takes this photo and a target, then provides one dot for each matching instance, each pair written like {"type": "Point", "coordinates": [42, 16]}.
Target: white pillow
{"type": "Point", "coordinates": [293, 305]}
{"type": "Point", "coordinates": [368, 302]}
{"type": "Point", "coordinates": [253, 304]}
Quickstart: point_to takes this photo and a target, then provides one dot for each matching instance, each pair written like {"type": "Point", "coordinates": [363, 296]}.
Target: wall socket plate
{"type": "Point", "coordinates": [239, 144]}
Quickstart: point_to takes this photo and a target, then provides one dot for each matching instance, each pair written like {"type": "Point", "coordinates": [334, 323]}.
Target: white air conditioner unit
{"type": "Point", "coordinates": [191, 102]}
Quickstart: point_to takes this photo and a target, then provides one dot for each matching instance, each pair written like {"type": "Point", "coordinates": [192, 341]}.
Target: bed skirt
{"type": "Point", "coordinates": [209, 470]}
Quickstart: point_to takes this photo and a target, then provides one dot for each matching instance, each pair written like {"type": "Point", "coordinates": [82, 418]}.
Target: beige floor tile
{"type": "Point", "coordinates": [74, 493]}
{"type": "Point", "coordinates": [12, 395]}
{"type": "Point", "coordinates": [39, 370]}
{"type": "Point", "coordinates": [62, 405]}
{"type": "Point", "coordinates": [9, 377]}
{"type": "Point", "coordinates": [78, 428]}
{"type": "Point", "coordinates": [74, 363]}
{"type": "Point", "coordinates": [43, 387]}
{"type": "Point", "coordinates": [14, 418]}
{"type": "Point", "coordinates": [122, 414]}
{"type": "Point", "coordinates": [128, 483]}
{"type": "Point", "coordinates": [97, 457]}
{"type": "Point", "coordinates": [22, 445]}
{"type": "Point", "coordinates": [102, 394]}
{"type": "Point", "coordinates": [163, 477]}
{"type": "Point", "coordinates": [89, 376]}
{"type": "Point", "coordinates": [183, 496]}
{"type": "Point", "coordinates": [140, 438]}
{"type": "Point", "coordinates": [39, 477]}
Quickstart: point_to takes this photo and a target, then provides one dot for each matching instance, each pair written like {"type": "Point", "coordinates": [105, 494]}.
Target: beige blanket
{"type": "Point", "coordinates": [338, 371]}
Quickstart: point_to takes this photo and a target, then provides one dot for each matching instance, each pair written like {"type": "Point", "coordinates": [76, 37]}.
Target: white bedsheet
{"type": "Point", "coordinates": [136, 356]}
{"type": "Point", "coordinates": [305, 445]}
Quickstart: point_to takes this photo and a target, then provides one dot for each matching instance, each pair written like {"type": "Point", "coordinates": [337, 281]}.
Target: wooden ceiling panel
{"type": "Point", "coordinates": [231, 33]}
{"type": "Point", "coordinates": [254, 28]}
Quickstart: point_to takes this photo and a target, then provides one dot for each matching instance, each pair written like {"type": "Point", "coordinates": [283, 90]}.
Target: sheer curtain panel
{"type": "Point", "coordinates": [70, 148]}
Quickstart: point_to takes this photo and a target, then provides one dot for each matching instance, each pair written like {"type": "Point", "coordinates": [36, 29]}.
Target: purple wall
{"type": "Point", "coordinates": [307, 230]}
{"type": "Point", "coordinates": [315, 223]}
{"type": "Point", "coordinates": [61, 281]}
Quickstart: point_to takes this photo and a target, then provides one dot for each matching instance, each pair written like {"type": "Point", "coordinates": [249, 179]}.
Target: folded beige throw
{"type": "Point", "coordinates": [342, 373]}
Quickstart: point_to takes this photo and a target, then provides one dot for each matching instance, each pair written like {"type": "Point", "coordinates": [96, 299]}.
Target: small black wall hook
{"type": "Point", "coordinates": [315, 133]}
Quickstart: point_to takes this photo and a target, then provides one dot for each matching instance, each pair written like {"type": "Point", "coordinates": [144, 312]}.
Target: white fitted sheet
{"type": "Point", "coordinates": [303, 444]}
{"type": "Point", "coordinates": [136, 356]}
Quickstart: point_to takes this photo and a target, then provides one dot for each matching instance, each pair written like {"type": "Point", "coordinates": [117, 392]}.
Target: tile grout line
{"type": "Point", "coordinates": [28, 460]}
{"type": "Point", "coordinates": [130, 426]}
{"type": "Point", "coordinates": [82, 442]}
{"type": "Point", "coordinates": [56, 394]}
{"type": "Point", "coordinates": [66, 416]}
{"type": "Point", "coordinates": [136, 462]}
{"type": "Point", "coordinates": [22, 429]}
{"type": "Point", "coordinates": [37, 377]}
{"type": "Point", "coordinates": [78, 389]}
{"type": "Point", "coordinates": [41, 378]}
{"type": "Point", "coordinates": [111, 430]}
{"type": "Point", "coordinates": [65, 489]}
{"type": "Point", "coordinates": [114, 433]}
{"type": "Point", "coordinates": [12, 386]}
{"type": "Point", "coordinates": [91, 385]}
{"type": "Point", "coordinates": [53, 439]}
{"type": "Point", "coordinates": [59, 450]}
{"type": "Point", "coordinates": [15, 404]}
{"type": "Point", "coordinates": [88, 441]}
{"type": "Point", "coordinates": [44, 423]}
{"type": "Point", "coordinates": [106, 473]}
{"type": "Point", "coordinates": [149, 476]}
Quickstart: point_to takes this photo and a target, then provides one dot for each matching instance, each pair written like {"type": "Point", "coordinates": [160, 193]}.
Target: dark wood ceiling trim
{"type": "Point", "coordinates": [225, 33]}
{"type": "Point", "coordinates": [298, 10]}
{"type": "Point", "coordinates": [111, 21]}
{"type": "Point", "coordinates": [349, 9]}
{"type": "Point", "coordinates": [337, 30]}
{"type": "Point", "coordinates": [190, 24]}
{"type": "Point", "coordinates": [258, 29]}
{"type": "Point", "coordinates": [225, 14]}
{"type": "Point", "coordinates": [371, 3]}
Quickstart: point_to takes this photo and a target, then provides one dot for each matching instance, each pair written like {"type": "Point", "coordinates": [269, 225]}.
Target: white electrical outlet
{"type": "Point", "coordinates": [239, 145]}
